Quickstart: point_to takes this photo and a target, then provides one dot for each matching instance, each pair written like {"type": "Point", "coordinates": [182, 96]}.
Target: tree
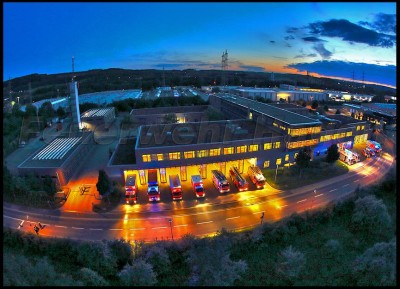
{"type": "Point", "coordinates": [103, 183]}
{"type": "Point", "coordinates": [290, 263]}
{"type": "Point", "coordinates": [157, 256]}
{"type": "Point", "coordinates": [121, 251]}
{"type": "Point", "coordinates": [97, 256]}
{"type": "Point", "coordinates": [211, 264]}
{"type": "Point", "coordinates": [371, 216]}
{"type": "Point", "coordinates": [47, 110]}
{"type": "Point", "coordinates": [170, 118]}
{"type": "Point", "coordinates": [376, 266]}
{"type": "Point", "coordinates": [60, 112]}
{"type": "Point", "coordinates": [303, 159]}
{"type": "Point", "coordinates": [30, 110]}
{"type": "Point", "coordinates": [314, 104]}
{"type": "Point", "coordinates": [139, 273]}
{"type": "Point", "coordinates": [7, 182]}
{"type": "Point", "coordinates": [49, 186]}
{"type": "Point", "coordinates": [92, 278]}
{"type": "Point", "coordinates": [333, 154]}
{"type": "Point", "coordinates": [337, 111]}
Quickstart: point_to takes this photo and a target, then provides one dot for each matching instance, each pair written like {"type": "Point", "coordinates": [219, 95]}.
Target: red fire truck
{"type": "Point", "coordinates": [175, 186]}
{"type": "Point", "coordinates": [238, 179]}
{"type": "Point", "coordinates": [198, 187]}
{"type": "Point", "coordinates": [130, 189]}
{"type": "Point", "coordinates": [256, 176]}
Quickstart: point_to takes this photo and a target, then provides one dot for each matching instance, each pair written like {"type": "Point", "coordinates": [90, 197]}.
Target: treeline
{"type": "Point", "coordinates": [53, 85]}
{"type": "Point", "coordinates": [351, 243]}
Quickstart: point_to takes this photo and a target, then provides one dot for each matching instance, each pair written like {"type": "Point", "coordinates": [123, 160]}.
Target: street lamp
{"type": "Point", "coordinates": [262, 217]}
{"type": "Point", "coordinates": [276, 172]}
{"type": "Point", "coordinates": [170, 225]}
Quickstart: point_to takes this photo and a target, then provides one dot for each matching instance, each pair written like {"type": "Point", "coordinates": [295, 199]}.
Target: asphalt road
{"type": "Point", "coordinates": [150, 222]}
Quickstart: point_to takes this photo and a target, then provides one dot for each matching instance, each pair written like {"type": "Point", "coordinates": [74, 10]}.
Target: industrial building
{"type": "Point", "coordinates": [256, 133]}
{"type": "Point", "coordinates": [100, 118]}
{"type": "Point", "coordinates": [272, 94]}
{"type": "Point", "coordinates": [157, 115]}
{"type": "Point", "coordinates": [60, 159]}
{"type": "Point", "coordinates": [383, 114]}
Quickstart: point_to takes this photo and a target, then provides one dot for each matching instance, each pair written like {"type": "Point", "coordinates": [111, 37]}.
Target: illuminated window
{"type": "Point", "coordinates": [358, 127]}
{"type": "Point", "coordinates": [189, 155]}
{"type": "Point", "coordinates": [228, 151]}
{"type": "Point", "coordinates": [277, 145]}
{"type": "Point", "coordinates": [349, 133]}
{"type": "Point", "coordinates": [266, 164]}
{"type": "Point", "coordinates": [253, 148]}
{"type": "Point", "coordinates": [295, 155]}
{"type": "Point", "coordinates": [267, 146]}
{"type": "Point", "coordinates": [278, 161]}
{"type": "Point", "coordinates": [202, 153]}
{"type": "Point", "coordinates": [286, 158]}
{"type": "Point", "coordinates": [160, 157]}
{"type": "Point", "coordinates": [250, 115]}
{"type": "Point", "coordinates": [241, 149]}
{"type": "Point", "coordinates": [362, 127]}
{"type": "Point", "coordinates": [175, 156]}
{"type": "Point", "coordinates": [146, 158]}
{"type": "Point", "coordinates": [215, 152]}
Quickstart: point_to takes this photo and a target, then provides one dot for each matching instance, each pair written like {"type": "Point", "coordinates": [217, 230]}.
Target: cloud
{"type": "Point", "coordinates": [272, 41]}
{"type": "Point", "coordinates": [289, 37]}
{"type": "Point", "coordinates": [351, 32]}
{"type": "Point", "coordinates": [372, 72]}
{"type": "Point", "coordinates": [253, 68]}
{"type": "Point", "coordinates": [312, 39]}
{"type": "Point", "coordinates": [306, 55]}
{"type": "Point", "coordinates": [292, 30]}
{"type": "Point", "coordinates": [279, 57]}
{"type": "Point", "coordinates": [385, 23]}
{"type": "Point", "coordinates": [322, 51]}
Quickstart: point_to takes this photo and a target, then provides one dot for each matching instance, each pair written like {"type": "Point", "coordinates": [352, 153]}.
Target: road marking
{"type": "Point", "coordinates": [233, 218]}
{"type": "Point", "coordinates": [284, 206]}
{"type": "Point", "coordinates": [355, 181]}
{"type": "Point", "coordinates": [159, 228]}
{"type": "Point", "coordinates": [116, 229]}
{"type": "Point", "coordinates": [71, 211]}
{"type": "Point", "coordinates": [365, 177]}
{"type": "Point", "coordinates": [318, 195]}
{"type": "Point", "coordinates": [77, 228]}
{"type": "Point", "coordinates": [12, 218]}
{"type": "Point", "coordinates": [59, 226]}
{"type": "Point", "coordinates": [204, 223]}
{"type": "Point", "coordinates": [133, 229]}
{"type": "Point", "coordinates": [94, 229]}
{"type": "Point", "coordinates": [302, 201]}
{"type": "Point", "coordinates": [332, 190]}
{"type": "Point", "coordinates": [180, 225]}
{"type": "Point", "coordinates": [345, 186]}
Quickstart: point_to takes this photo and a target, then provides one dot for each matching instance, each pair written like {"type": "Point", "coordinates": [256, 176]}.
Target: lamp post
{"type": "Point", "coordinates": [276, 172]}
{"type": "Point", "coordinates": [170, 225]}
{"type": "Point", "coordinates": [262, 217]}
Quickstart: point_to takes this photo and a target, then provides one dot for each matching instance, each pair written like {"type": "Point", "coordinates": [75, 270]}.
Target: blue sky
{"type": "Point", "coordinates": [326, 39]}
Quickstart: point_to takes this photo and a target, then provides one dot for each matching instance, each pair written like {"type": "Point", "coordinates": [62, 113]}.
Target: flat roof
{"type": "Point", "coordinates": [201, 133]}
{"type": "Point", "coordinates": [96, 112]}
{"type": "Point", "coordinates": [54, 154]}
{"type": "Point", "coordinates": [280, 114]}
{"type": "Point", "coordinates": [172, 109]}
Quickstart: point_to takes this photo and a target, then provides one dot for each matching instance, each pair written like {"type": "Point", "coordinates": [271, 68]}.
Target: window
{"type": "Point", "coordinates": [228, 151]}
{"type": "Point", "coordinates": [286, 158]}
{"type": "Point", "coordinates": [250, 115]}
{"type": "Point", "coordinates": [215, 152]}
{"type": "Point", "coordinates": [295, 155]}
{"type": "Point", "coordinates": [277, 145]}
{"type": "Point", "coordinates": [189, 155]}
{"type": "Point", "coordinates": [349, 133]}
{"type": "Point", "coordinates": [253, 148]}
{"type": "Point", "coordinates": [362, 127]}
{"type": "Point", "coordinates": [358, 127]}
{"type": "Point", "coordinates": [202, 153]}
{"type": "Point", "coordinates": [146, 158]}
{"type": "Point", "coordinates": [241, 149]}
{"type": "Point", "coordinates": [266, 164]}
{"type": "Point", "coordinates": [174, 156]}
{"type": "Point", "coordinates": [267, 146]}
{"type": "Point", "coordinates": [160, 157]}
{"type": "Point", "coordinates": [278, 161]}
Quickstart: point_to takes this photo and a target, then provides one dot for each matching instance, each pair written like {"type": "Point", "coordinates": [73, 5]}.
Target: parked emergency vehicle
{"type": "Point", "coordinates": [220, 182]}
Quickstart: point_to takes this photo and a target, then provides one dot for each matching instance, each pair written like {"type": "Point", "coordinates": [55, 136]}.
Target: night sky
{"type": "Point", "coordinates": [326, 39]}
